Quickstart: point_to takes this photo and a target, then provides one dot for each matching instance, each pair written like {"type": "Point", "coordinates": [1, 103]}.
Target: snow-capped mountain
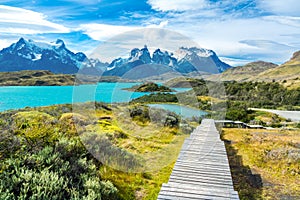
{"type": "Point", "coordinates": [185, 60]}
{"type": "Point", "coordinates": [31, 55]}
{"type": "Point", "coordinates": [199, 59]}
{"type": "Point", "coordinates": [55, 57]}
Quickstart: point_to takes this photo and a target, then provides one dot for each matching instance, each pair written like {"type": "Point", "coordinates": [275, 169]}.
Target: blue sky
{"type": "Point", "coordinates": [239, 31]}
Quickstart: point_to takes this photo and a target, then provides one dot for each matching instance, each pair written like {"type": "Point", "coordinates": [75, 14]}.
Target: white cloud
{"type": "Point", "coordinates": [266, 44]}
{"type": "Point", "coordinates": [84, 2]}
{"type": "Point", "coordinates": [162, 24]}
{"type": "Point", "coordinates": [15, 20]}
{"type": "Point", "coordinates": [120, 45]}
{"type": "Point", "coordinates": [281, 7]}
{"type": "Point", "coordinates": [285, 20]}
{"type": "Point", "coordinates": [238, 38]}
{"type": "Point", "coordinates": [177, 5]}
{"type": "Point", "coordinates": [4, 43]}
{"type": "Point", "coordinates": [224, 36]}
{"type": "Point", "coordinates": [104, 31]}
{"type": "Point", "coordinates": [235, 61]}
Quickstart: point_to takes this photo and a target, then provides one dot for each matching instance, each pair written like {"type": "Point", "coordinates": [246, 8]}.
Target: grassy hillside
{"type": "Point", "coordinates": [264, 163]}
{"type": "Point", "coordinates": [243, 73]}
{"type": "Point", "coordinates": [286, 74]}
{"type": "Point", "coordinates": [47, 78]}
{"type": "Point", "coordinates": [35, 78]}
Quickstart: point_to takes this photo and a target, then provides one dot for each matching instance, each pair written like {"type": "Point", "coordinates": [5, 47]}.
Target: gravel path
{"type": "Point", "coordinates": [292, 115]}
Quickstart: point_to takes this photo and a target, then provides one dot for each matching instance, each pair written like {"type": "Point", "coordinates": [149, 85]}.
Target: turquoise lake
{"type": "Point", "coordinates": [15, 97]}
{"type": "Point", "coordinates": [183, 111]}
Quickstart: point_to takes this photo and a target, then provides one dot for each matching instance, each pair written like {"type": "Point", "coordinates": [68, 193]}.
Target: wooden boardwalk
{"type": "Point", "coordinates": [202, 169]}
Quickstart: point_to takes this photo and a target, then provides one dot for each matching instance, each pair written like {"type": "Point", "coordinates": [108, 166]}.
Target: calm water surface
{"type": "Point", "coordinates": [15, 97]}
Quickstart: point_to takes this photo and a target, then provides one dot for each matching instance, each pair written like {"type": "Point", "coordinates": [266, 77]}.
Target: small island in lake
{"type": "Point", "coordinates": [149, 87]}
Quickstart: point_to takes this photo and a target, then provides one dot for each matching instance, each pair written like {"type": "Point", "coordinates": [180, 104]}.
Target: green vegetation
{"type": "Point", "coordinates": [40, 161]}
{"type": "Point", "coordinates": [157, 97]}
{"type": "Point", "coordinates": [149, 87]}
{"type": "Point", "coordinates": [261, 94]}
{"type": "Point", "coordinates": [242, 96]}
{"type": "Point", "coordinates": [239, 97]}
{"type": "Point", "coordinates": [115, 152]}
{"type": "Point", "coordinates": [264, 164]}
{"type": "Point", "coordinates": [253, 94]}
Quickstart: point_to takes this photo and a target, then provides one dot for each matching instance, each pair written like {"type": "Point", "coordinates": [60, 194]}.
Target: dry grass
{"type": "Point", "coordinates": [274, 155]}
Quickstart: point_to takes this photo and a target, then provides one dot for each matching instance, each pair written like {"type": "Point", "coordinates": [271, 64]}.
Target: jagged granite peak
{"type": "Point", "coordinates": [134, 53]}
{"type": "Point", "coordinates": [186, 60]}
{"type": "Point", "coordinates": [145, 55]}
{"type": "Point", "coordinates": [21, 42]}
{"type": "Point", "coordinates": [116, 63]}
{"type": "Point", "coordinates": [140, 54]}
{"type": "Point", "coordinates": [164, 58]}
{"type": "Point", "coordinates": [185, 51]}
{"type": "Point", "coordinates": [60, 43]}
{"type": "Point", "coordinates": [199, 59]}
{"type": "Point", "coordinates": [160, 57]}
{"type": "Point", "coordinates": [31, 55]}
{"type": "Point", "coordinates": [81, 56]}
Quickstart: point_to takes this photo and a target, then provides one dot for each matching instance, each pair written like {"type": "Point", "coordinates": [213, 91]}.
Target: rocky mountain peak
{"type": "Point", "coordinates": [60, 43]}
{"type": "Point", "coordinates": [31, 55]}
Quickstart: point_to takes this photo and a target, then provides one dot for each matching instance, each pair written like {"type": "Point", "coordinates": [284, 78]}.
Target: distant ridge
{"type": "Point", "coordinates": [288, 73]}
{"type": "Point", "coordinates": [244, 73]}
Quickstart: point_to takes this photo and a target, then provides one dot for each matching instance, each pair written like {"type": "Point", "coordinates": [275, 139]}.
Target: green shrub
{"type": "Point", "coordinates": [156, 97]}
{"type": "Point", "coordinates": [65, 171]}
{"type": "Point", "coordinates": [140, 114]}
{"type": "Point", "coordinates": [35, 127]}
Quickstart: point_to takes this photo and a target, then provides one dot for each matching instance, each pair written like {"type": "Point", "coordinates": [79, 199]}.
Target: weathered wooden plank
{"type": "Point", "coordinates": [202, 170]}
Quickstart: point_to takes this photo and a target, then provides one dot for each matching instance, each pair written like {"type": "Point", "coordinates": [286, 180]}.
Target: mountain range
{"type": "Point", "coordinates": [141, 64]}
{"type": "Point", "coordinates": [57, 58]}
